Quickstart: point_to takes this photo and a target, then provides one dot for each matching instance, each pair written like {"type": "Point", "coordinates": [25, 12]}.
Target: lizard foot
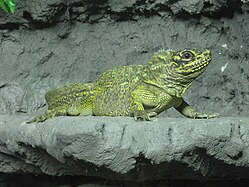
{"type": "Point", "coordinates": [142, 115]}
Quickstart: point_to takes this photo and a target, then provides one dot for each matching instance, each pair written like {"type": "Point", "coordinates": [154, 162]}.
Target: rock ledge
{"type": "Point", "coordinates": [120, 148]}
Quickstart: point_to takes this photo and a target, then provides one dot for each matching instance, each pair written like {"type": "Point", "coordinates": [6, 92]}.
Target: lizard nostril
{"type": "Point", "coordinates": [207, 52]}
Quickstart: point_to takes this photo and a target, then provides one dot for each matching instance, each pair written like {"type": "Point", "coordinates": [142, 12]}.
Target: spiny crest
{"type": "Point", "coordinates": [160, 58]}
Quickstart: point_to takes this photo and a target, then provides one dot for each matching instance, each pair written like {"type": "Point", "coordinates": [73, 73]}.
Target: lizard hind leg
{"type": "Point", "coordinates": [82, 107]}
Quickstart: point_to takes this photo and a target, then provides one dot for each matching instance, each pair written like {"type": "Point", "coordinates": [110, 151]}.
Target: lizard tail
{"type": "Point", "coordinates": [41, 118]}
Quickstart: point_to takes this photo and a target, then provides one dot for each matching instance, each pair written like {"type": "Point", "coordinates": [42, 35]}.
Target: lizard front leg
{"type": "Point", "coordinates": [185, 109]}
{"type": "Point", "coordinates": [137, 105]}
{"type": "Point", "coordinates": [150, 101]}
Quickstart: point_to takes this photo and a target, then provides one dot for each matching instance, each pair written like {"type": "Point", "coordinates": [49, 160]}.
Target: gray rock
{"type": "Point", "coordinates": [121, 148]}
{"type": "Point", "coordinates": [12, 98]}
{"type": "Point", "coordinates": [46, 44]}
{"type": "Point", "coordinates": [43, 14]}
{"type": "Point", "coordinates": [42, 60]}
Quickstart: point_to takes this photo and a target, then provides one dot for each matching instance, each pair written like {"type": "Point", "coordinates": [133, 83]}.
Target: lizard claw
{"type": "Point", "coordinates": [142, 115]}
{"type": "Point", "coordinates": [206, 116]}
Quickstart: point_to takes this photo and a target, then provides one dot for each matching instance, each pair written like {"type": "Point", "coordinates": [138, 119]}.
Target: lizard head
{"type": "Point", "coordinates": [178, 69]}
{"type": "Point", "coordinates": [182, 66]}
{"type": "Point", "coordinates": [189, 64]}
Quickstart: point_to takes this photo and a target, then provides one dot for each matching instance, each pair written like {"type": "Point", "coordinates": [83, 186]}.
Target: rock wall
{"type": "Point", "coordinates": [46, 44]}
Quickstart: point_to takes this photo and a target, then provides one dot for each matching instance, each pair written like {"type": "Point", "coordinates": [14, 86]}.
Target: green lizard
{"type": "Point", "coordinates": [141, 91]}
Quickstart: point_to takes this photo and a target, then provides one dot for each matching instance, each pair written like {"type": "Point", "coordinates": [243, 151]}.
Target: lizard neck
{"type": "Point", "coordinates": [159, 77]}
{"type": "Point", "coordinates": [172, 89]}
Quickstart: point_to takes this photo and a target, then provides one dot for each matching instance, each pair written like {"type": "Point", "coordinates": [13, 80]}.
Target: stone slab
{"type": "Point", "coordinates": [121, 148]}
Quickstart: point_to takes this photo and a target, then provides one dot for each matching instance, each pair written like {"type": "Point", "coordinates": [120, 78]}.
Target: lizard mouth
{"type": "Point", "coordinates": [201, 65]}
{"type": "Point", "coordinates": [196, 68]}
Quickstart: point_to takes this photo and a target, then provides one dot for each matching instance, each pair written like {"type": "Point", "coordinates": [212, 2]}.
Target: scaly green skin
{"type": "Point", "coordinates": [141, 91]}
{"type": "Point", "coordinates": [73, 99]}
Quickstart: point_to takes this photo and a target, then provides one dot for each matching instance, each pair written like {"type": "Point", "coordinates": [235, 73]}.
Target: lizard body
{"type": "Point", "coordinates": [141, 91]}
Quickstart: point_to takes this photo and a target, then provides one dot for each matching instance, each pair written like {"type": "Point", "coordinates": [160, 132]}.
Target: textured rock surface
{"type": "Point", "coordinates": [120, 148]}
{"type": "Point", "coordinates": [46, 44]}
{"type": "Point", "coordinates": [80, 40]}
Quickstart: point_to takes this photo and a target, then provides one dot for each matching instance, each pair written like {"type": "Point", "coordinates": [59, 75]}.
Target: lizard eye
{"type": "Point", "coordinates": [187, 55]}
